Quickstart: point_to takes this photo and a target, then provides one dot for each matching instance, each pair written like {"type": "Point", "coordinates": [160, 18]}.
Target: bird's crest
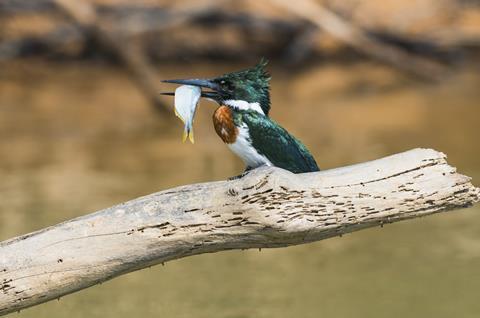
{"type": "Point", "coordinates": [251, 85]}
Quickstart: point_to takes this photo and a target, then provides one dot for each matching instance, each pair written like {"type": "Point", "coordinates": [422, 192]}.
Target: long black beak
{"type": "Point", "coordinates": [195, 82]}
{"type": "Point", "coordinates": [211, 95]}
{"type": "Point", "coordinates": [206, 83]}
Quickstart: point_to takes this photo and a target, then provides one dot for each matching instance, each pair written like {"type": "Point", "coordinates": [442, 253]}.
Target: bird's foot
{"type": "Point", "coordinates": [247, 171]}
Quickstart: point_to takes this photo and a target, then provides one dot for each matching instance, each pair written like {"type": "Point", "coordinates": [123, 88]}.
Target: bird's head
{"type": "Point", "coordinates": [246, 89]}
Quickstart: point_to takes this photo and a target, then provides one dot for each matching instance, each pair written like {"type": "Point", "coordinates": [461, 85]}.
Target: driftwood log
{"type": "Point", "coordinates": [269, 207]}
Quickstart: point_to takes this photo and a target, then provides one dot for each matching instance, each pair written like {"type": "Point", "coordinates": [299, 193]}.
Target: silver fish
{"type": "Point", "coordinates": [186, 101]}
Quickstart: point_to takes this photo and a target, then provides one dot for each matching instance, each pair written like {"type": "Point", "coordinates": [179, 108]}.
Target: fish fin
{"type": "Point", "coordinates": [184, 136]}
{"type": "Point", "coordinates": [190, 135]}
{"type": "Point", "coordinates": [176, 114]}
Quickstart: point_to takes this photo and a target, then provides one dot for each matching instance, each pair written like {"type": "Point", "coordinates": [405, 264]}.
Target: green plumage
{"type": "Point", "coordinates": [247, 95]}
{"type": "Point", "coordinates": [250, 85]}
{"type": "Point", "coordinates": [274, 142]}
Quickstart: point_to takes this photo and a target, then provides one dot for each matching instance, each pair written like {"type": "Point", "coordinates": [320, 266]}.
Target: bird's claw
{"type": "Point", "coordinates": [247, 171]}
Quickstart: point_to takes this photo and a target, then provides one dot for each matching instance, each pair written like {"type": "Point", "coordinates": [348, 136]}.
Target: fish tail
{"type": "Point", "coordinates": [178, 115]}
{"type": "Point", "coordinates": [190, 135]}
{"type": "Point", "coordinates": [185, 134]}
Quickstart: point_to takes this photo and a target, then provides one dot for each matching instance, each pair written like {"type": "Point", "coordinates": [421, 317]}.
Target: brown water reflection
{"type": "Point", "coordinates": [81, 138]}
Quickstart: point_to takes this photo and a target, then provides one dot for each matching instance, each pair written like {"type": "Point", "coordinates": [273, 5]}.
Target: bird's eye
{"type": "Point", "coordinates": [227, 85]}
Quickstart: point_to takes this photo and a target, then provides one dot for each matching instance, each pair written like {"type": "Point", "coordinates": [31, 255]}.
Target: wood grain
{"type": "Point", "coordinates": [269, 207]}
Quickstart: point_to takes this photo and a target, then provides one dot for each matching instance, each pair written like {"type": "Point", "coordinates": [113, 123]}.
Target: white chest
{"type": "Point", "coordinates": [243, 148]}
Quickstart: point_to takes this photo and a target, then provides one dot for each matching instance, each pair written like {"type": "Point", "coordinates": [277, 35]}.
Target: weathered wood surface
{"type": "Point", "coordinates": [268, 208]}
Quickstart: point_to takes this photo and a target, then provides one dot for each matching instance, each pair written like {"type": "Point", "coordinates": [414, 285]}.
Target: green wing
{"type": "Point", "coordinates": [275, 143]}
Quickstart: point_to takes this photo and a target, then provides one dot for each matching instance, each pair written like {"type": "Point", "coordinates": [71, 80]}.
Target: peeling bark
{"type": "Point", "coordinates": [269, 207]}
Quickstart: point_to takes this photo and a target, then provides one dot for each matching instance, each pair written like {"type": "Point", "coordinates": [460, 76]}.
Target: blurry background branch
{"type": "Point", "coordinates": [129, 54]}
{"type": "Point", "coordinates": [142, 33]}
{"type": "Point", "coordinates": [353, 36]}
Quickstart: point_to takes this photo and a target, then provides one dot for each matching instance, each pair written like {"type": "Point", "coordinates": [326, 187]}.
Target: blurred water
{"type": "Point", "coordinates": [74, 139]}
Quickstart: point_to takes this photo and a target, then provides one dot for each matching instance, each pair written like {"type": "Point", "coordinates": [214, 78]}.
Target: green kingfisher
{"type": "Point", "coordinates": [242, 120]}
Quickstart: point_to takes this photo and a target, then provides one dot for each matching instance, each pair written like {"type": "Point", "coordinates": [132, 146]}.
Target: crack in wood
{"type": "Point", "coordinates": [278, 209]}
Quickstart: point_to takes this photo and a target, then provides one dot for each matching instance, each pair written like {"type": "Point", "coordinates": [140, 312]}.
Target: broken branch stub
{"type": "Point", "coordinates": [269, 207]}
